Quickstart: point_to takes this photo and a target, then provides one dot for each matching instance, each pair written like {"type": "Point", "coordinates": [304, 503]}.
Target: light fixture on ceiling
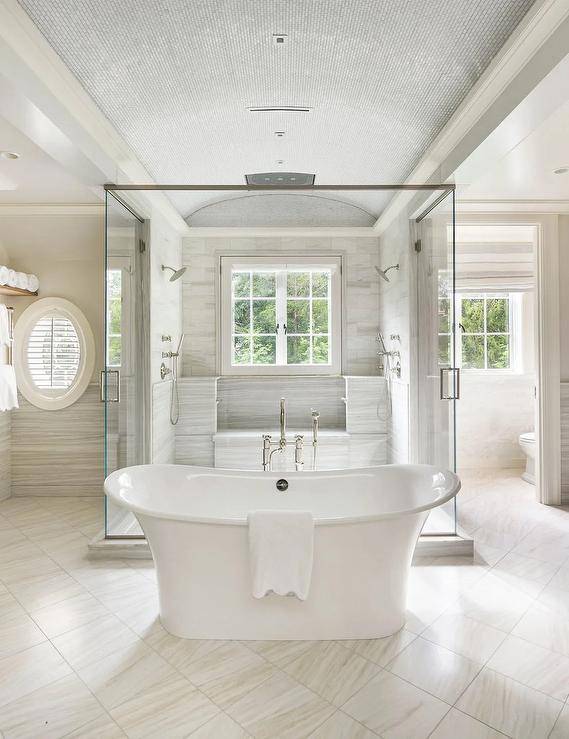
{"type": "Point", "coordinates": [561, 170]}
{"type": "Point", "coordinates": [291, 179]}
{"type": "Point", "coordinates": [280, 161]}
{"type": "Point", "coordinates": [279, 39]}
{"type": "Point", "coordinates": [9, 155]}
{"type": "Point", "coordinates": [280, 134]}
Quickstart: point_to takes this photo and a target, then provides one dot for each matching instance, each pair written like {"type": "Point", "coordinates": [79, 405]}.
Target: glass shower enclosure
{"type": "Point", "coordinates": [124, 384]}
{"type": "Point", "coordinates": [434, 382]}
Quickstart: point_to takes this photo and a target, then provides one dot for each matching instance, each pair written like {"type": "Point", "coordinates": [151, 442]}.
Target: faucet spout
{"type": "Point", "coordinates": [283, 423]}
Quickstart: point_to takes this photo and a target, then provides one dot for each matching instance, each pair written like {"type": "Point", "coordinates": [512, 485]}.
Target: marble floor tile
{"type": "Point", "coordinates": [561, 728]}
{"type": "Point", "coordinates": [332, 670]}
{"type": "Point", "coordinates": [382, 651]}
{"type": "Point", "coordinates": [235, 677]}
{"type": "Point", "coordinates": [179, 652]}
{"type": "Point", "coordinates": [533, 666]}
{"type": "Point", "coordinates": [281, 707]}
{"type": "Point", "coordinates": [18, 633]}
{"type": "Point", "coordinates": [457, 725]}
{"type": "Point", "coordinates": [52, 711]}
{"type": "Point", "coordinates": [220, 727]}
{"type": "Point", "coordinates": [545, 628]}
{"type": "Point", "coordinates": [93, 641]}
{"type": "Point", "coordinates": [509, 706]}
{"type": "Point", "coordinates": [494, 602]}
{"type": "Point", "coordinates": [121, 675]}
{"type": "Point", "coordinates": [169, 709]}
{"type": "Point", "coordinates": [68, 614]}
{"type": "Point", "coordinates": [103, 727]}
{"type": "Point", "coordinates": [395, 709]}
{"type": "Point", "coordinates": [27, 671]}
{"type": "Point", "coordinates": [342, 726]}
{"type": "Point", "coordinates": [280, 652]}
{"type": "Point", "coordinates": [470, 638]}
{"type": "Point", "coordinates": [9, 606]}
{"type": "Point", "coordinates": [45, 590]}
{"type": "Point", "coordinates": [435, 669]}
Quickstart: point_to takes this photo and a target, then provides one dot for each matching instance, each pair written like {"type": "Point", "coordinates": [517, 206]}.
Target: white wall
{"type": "Point", "coordinates": [66, 252]}
{"type": "Point", "coordinates": [200, 304]}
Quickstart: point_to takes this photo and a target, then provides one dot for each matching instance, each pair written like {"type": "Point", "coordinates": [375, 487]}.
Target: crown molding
{"type": "Point", "coordinates": [55, 209]}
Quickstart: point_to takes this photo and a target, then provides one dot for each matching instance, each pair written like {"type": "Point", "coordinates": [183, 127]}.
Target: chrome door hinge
{"type": "Point", "coordinates": [418, 246]}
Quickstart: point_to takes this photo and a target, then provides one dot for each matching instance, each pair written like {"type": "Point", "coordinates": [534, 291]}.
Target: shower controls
{"type": "Point", "coordinates": [166, 338]}
{"type": "Point", "coordinates": [164, 371]}
{"type": "Point", "coordinates": [282, 485]}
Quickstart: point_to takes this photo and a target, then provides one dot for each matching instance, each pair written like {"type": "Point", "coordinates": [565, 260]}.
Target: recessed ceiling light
{"type": "Point", "coordinates": [280, 161]}
{"type": "Point", "coordinates": [279, 39]}
{"type": "Point", "coordinates": [561, 170]}
{"type": "Point", "coordinates": [279, 134]}
{"type": "Point", "coordinates": [9, 155]}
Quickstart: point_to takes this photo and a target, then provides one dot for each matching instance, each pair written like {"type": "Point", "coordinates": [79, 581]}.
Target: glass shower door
{"type": "Point", "coordinates": [438, 379]}
{"type": "Point", "coordinates": [123, 379]}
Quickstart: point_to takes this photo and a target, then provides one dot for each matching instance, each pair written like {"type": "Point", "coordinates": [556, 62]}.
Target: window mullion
{"type": "Point", "coordinates": [281, 316]}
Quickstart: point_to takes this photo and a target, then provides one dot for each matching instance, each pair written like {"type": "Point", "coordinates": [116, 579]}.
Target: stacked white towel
{"type": "Point", "coordinates": [18, 279]}
{"type": "Point", "coordinates": [8, 388]}
{"type": "Point", "coordinates": [281, 550]}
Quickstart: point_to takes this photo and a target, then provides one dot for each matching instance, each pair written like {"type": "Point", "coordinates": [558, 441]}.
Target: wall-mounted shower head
{"type": "Point", "coordinates": [383, 272]}
{"type": "Point", "coordinates": [176, 273]}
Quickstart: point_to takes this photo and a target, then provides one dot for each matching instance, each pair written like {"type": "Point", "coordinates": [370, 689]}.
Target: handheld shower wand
{"type": "Point", "coordinates": [175, 396]}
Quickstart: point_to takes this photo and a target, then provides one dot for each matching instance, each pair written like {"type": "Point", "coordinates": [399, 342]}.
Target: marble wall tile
{"type": "Point", "coordinates": [253, 402]}
{"type": "Point", "coordinates": [196, 450]}
{"type": "Point", "coordinates": [366, 409]}
{"type": "Point", "coordinates": [565, 443]}
{"type": "Point", "coordinates": [5, 455]}
{"type": "Point", "coordinates": [197, 406]}
{"type": "Point", "coordinates": [492, 413]}
{"type": "Point", "coordinates": [163, 432]}
{"type": "Point", "coordinates": [59, 452]}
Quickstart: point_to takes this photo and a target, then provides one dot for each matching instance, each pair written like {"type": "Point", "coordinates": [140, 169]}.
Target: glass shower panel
{"type": "Point", "coordinates": [438, 379]}
{"type": "Point", "coordinates": [122, 380]}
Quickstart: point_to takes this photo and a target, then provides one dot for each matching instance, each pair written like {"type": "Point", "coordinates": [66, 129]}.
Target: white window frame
{"type": "Point", "coordinates": [45, 398]}
{"type": "Point", "coordinates": [514, 333]}
{"type": "Point", "coordinates": [230, 263]}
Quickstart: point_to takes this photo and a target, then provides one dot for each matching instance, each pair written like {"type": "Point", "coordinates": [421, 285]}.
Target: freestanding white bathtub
{"type": "Point", "coordinates": [366, 526]}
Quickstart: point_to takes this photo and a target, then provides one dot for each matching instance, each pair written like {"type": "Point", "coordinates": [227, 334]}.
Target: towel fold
{"type": "Point", "coordinates": [12, 278]}
{"type": "Point", "coordinates": [281, 548]}
{"type": "Point", "coordinates": [4, 275]}
{"type": "Point", "coordinates": [4, 325]}
{"type": "Point", "coordinates": [8, 388]}
{"type": "Point", "coordinates": [33, 283]}
{"type": "Point", "coordinates": [22, 280]}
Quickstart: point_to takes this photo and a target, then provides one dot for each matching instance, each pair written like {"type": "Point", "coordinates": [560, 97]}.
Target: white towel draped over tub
{"type": "Point", "coordinates": [281, 549]}
{"type": "Point", "coordinates": [8, 388]}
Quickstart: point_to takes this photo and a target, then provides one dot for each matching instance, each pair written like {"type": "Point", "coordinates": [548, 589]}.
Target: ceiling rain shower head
{"type": "Point", "coordinates": [383, 272]}
{"type": "Point", "coordinates": [176, 273]}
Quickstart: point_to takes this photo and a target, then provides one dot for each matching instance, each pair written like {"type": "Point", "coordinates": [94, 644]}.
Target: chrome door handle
{"type": "Point", "coordinates": [443, 395]}
{"type": "Point", "coordinates": [104, 384]}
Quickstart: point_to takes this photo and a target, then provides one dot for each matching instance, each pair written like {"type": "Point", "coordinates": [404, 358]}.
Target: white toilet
{"type": "Point", "coordinates": [527, 443]}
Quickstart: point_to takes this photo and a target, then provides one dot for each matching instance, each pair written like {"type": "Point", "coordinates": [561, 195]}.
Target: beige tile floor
{"type": "Point", "coordinates": [484, 653]}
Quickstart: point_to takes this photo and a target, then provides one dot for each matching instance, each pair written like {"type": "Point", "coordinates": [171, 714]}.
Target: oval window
{"type": "Point", "coordinates": [54, 352]}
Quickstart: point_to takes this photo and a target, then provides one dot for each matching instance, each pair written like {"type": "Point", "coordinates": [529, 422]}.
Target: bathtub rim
{"type": "Point", "coordinates": [112, 491]}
